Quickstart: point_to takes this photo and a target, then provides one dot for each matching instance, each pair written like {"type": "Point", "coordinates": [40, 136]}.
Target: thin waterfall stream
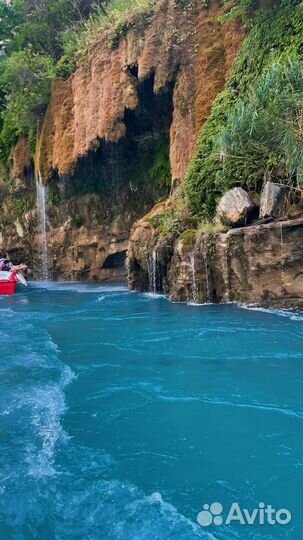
{"type": "Point", "coordinates": [151, 270]}
{"type": "Point", "coordinates": [205, 259]}
{"type": "Point", "coordinates": [227, 275]}
{"type": "Point", "coordinates": [194, 280]}
{"type": "Point", "coordinates": [42, 226]}
{"type": "Point", "coordinates": [282, 255]}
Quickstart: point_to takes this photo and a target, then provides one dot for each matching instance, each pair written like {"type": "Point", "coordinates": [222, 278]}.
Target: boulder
{"type": "Point", "coordinates": [273, 201]}
{"type": "Point", "coordinates": [235, 208]}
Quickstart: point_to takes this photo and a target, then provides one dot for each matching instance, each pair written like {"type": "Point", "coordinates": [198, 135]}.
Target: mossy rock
{"type": "Point", "coordinates": [188, 238]}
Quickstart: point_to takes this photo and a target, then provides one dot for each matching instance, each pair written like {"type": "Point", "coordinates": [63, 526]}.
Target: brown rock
{"type": "Point", "coordinates": [273, 201]}
{"type": "Point", "coordinates": [21, 158]}
{"type": "Point", "coordinates": [261, 264]}
{"type": "Point", "coordinates": [235, 207]}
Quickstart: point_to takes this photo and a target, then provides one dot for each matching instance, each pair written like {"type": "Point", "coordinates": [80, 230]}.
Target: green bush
{"type": "Point", "coordinates": [262, 138]}
{"type": "Point", "coordinates": [25, 80]}
{"type": "Point", "coordinates": [160, 171]}
{"type": "Point", "coordinates": [253, 131]}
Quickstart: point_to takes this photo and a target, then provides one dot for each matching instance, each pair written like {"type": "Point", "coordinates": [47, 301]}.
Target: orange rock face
{"type": "Point", "coordinates": [187, 48]}
{"type": "Point", "coordinates": [217, 47]}
{"type": "Point", "coordinates": [21, 158]}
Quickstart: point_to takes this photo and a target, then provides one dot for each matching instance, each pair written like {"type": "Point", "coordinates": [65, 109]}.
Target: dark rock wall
{"type": "Point", "coordinates": [259, 264]}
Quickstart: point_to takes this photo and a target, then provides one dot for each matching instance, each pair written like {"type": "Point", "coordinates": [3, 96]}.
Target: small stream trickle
{"type": "Point", "coordinates": [206, 268]}
{"type": "Point", "coordinates": [194, 278]}
{"type": "Point", "coordinates": [227, 276]}
{"type": "Point", "coordinates": [42, 225]}
{"type": "Point", "coordinates": [282, 255]}
{"type": "Point", "coordinates": [152, 271]}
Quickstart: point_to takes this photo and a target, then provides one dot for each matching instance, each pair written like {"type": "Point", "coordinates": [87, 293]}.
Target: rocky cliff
{"type": "Point", "coordinates": [115, 136]}
{"type": "Point", "coordinates": [259, 264]}
{"type": "Point", "coordinates": [251, 250]}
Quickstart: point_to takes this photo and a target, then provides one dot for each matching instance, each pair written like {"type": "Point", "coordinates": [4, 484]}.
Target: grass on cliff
{"type": "Point", "coordinates": [114, 16]}
{"type": "Point", "coordinates": [254, 131]}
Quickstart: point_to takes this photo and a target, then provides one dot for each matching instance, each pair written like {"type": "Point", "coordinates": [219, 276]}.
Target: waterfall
{"type": "Point", "coordinates": [41, 209]}
{"type": "Point", "coordinates": [282, 255]}
{"type": "Point", "coordinates": [152, 271]}
{"type": "Point", "coordinates": [205, 259]}
{"type": "Point", "coordinates": [227, 277]}
{"type": "Point", "coordinates": [194, 279]}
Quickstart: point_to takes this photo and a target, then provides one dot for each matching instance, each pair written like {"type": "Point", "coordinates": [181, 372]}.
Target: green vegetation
{"type": "Point", "coordinates": [188, 238]}
{"type": "Point", "coordinates": [159, 170]}
{"type": "Point", "coordinates": [31, 44]}
{"type": "Point", "coordinates": [254, 131]}
{"type": "Point", "coordinates": [117, 16]}
{"type": "Point", "coordinates": [262, 137]}
{"type": "Point", "coordinates": [25, 82]}
{"type": "Point", "coordinates": [243, 9]}
{"type": "Point", "coordinates": [210, 227]}
{"type": "Point", "coordinates": [175, 219]}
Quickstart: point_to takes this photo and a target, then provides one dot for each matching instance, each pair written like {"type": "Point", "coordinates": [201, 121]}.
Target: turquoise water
{"type": "Point", "coordinates": [121, 414]}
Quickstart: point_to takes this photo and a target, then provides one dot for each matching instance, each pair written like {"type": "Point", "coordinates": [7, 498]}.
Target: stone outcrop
{"type": "Point", "coordinates": [273, 201]}
{"type": "Point", "coordinates": [88, 245]}
{"type": "Point", "coordinates": [260, 264]}
{"type": "Point", "coordinates": [87, 236]}
{"type": "Point", "coordinates": [235, 208]}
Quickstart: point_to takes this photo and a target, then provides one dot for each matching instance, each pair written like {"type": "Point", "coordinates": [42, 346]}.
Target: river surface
{"type": "Point", "coordinates": [122, 414]}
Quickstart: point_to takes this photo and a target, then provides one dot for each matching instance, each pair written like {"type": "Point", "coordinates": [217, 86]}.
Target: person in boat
{"type": "Point", "coordinates": [7, 266]}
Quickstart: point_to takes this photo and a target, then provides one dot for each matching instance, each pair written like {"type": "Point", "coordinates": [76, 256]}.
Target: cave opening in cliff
{"type": "Point", "coordinates": [134, 172]}
{"type": "Point", "coordinates": [115, 260]}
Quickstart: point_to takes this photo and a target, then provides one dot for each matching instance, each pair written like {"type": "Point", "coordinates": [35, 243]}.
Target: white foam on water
{"type": "Point", "coordinates": [196, 304]}
{"type": "Point", "coordinates": [290, 314]}
{"type": "Point", "coordinates": [115, 510]}
{"type": "Point", "coordinates": [68, 376]}
{"type": "Point", "coordinates": [35, 406]}
{"type": "Point", "coordinates": [77, 286]}
{"type": "Point", "coordinates": [46, 405]}
{"type": "Point", "coordinates": [153, 295]}
{"type": "Point", "coordinates": [8, 312]}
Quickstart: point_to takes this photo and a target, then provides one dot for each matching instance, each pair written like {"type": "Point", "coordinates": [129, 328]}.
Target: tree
{"type": "Point", "coordinates": [9, 20]}
{"type": "Point", "coordinates": [25, 80]}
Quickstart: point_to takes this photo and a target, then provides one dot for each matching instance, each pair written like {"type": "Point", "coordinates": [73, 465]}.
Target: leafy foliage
{"type": "Point", "coordinates": [25, 80]}
{"type": "Point", "coordinates": [39, 24]}
{"type": "Point", "coordinates": [255, 128]}
{"type": "Point", "coordinates": [30, 46]}
{"type": "Point", "coordinates": [262, 138]}
{"type": "Point", "coordinates": [175, 219]}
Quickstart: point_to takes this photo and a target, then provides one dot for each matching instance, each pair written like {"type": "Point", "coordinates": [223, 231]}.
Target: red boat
{"type": "Point", "coordinates": [9, 281]}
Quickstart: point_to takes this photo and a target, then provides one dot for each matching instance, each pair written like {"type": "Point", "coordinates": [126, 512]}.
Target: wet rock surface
{"type": "Point", "coordinates": [260, 264]}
